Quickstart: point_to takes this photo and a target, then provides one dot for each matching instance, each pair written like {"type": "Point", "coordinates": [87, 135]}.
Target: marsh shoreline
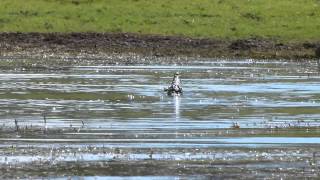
{"type": "Point", "coordinates": [102, 45]}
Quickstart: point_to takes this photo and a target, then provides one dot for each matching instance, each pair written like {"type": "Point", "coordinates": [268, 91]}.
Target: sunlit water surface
{"type": "Point", "coordinates": [111, 116]}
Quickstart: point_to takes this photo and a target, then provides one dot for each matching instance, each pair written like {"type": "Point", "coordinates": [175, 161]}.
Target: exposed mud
{"type": "Point", "coordinates": [88, 44]}
{"type": "Point", "coordinates": [67, 111]}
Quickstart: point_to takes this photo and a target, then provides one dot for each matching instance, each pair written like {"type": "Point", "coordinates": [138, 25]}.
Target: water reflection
{"type": "Point", "coordinates": [177, 101]}
{"type": "Point", "coordinates": [125, 111]}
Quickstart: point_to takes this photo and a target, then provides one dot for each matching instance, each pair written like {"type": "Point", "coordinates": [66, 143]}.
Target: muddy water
{"type": "Point", "coordinates": [116, 121]}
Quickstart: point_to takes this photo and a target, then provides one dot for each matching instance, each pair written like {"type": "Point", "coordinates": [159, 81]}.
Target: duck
{"type": "Point", "coordinates": [175, 88]}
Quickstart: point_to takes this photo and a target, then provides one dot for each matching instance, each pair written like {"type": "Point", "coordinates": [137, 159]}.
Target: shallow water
{"type": "Point", "coordinates": [107, 117]}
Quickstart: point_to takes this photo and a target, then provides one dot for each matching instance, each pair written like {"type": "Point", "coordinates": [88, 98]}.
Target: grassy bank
{"type": "Point", "coordinates": [287, 20]}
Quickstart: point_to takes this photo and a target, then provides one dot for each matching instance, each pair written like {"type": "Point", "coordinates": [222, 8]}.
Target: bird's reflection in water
{"type": "Point", "coordinates": [177, 101]}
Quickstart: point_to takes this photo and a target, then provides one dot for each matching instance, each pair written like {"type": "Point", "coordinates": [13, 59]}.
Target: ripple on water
{"type": "Point", "coordinates": [275, 104]}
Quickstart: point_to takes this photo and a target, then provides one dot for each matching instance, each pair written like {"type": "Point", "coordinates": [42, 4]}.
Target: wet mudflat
{"type": "Point", "coordinates": [236, 119]}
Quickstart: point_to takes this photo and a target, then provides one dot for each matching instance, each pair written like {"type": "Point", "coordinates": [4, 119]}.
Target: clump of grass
{"type": "Point", "coordinates": [226, 19]}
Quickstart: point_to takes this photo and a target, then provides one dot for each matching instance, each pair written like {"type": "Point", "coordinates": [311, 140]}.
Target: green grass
{"type": "Point", "coordinates": [293, 20]}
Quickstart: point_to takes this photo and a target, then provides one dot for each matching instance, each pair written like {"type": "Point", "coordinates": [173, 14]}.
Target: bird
{"type": "Point", "coordinates": [175, 87]}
